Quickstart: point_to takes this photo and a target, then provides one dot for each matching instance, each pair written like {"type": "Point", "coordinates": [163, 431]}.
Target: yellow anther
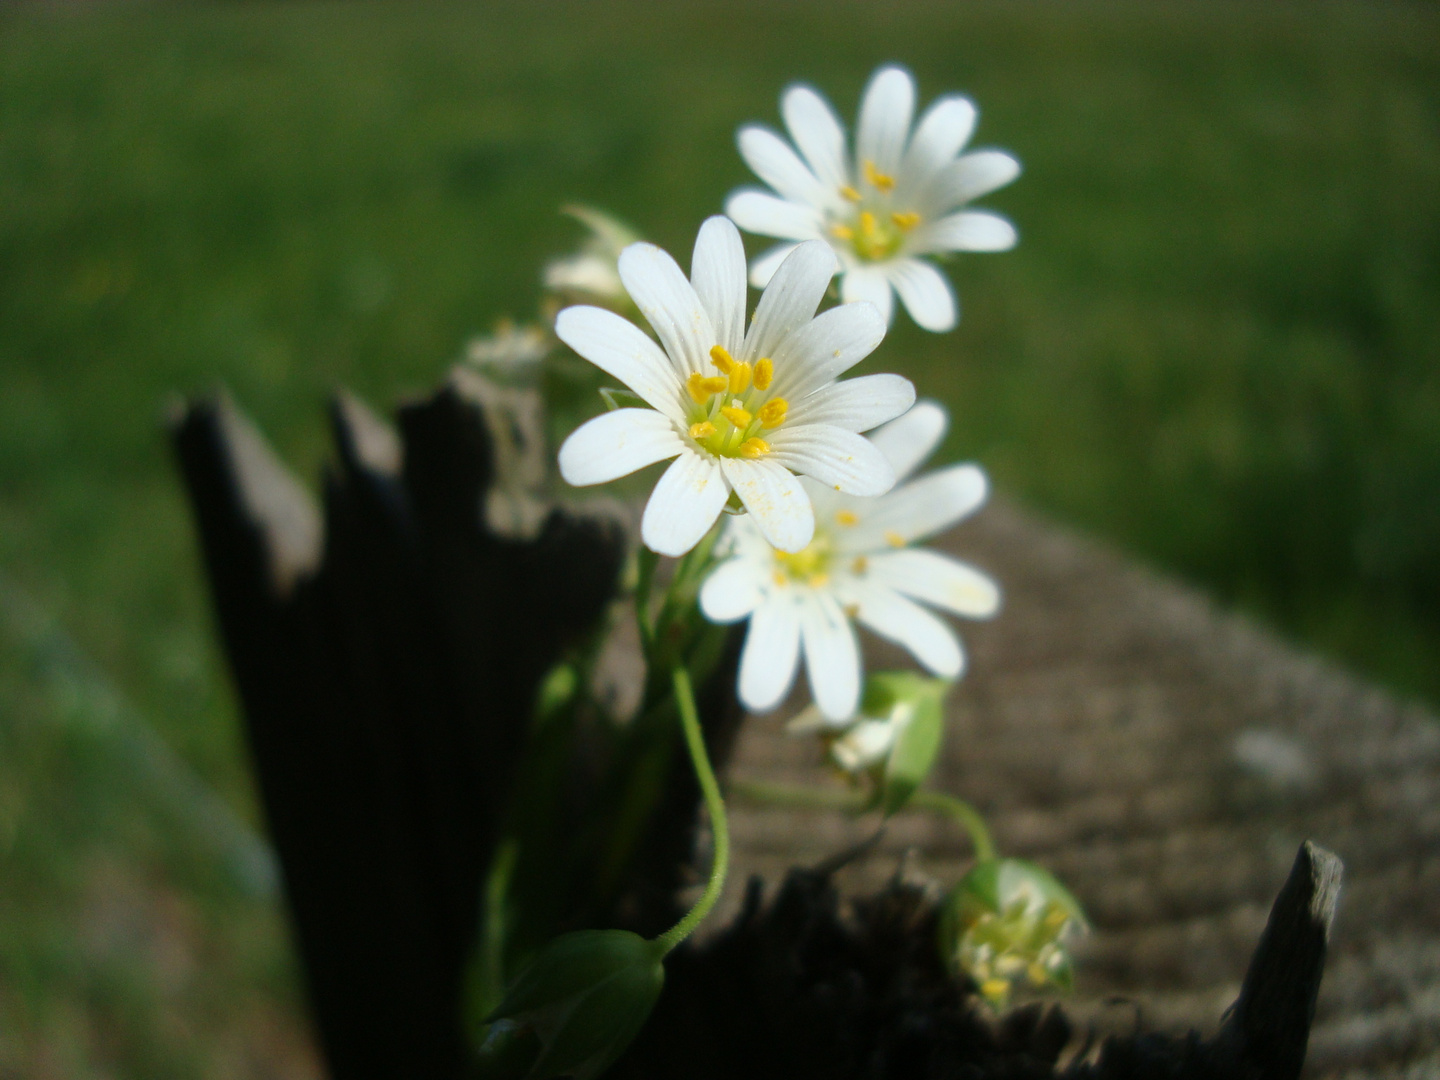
{"type": "Point", "coordinates": [852, 611]}
{"type": "Point", "coordinates": [764, 373]}
{"type": "Point", "coordinates": [740, 377]}
{"type": "Point", "coordinates": [996, 990]}
{"type": "Point", "coordinates": [702, 430]}
{"type": "Point", "coordinates": [860, 565]}
{"type": "Point", "coordinates": [754, 448]}
{"type": "Point", "coordinates": [906, 221]}
{"type": "Point", "coordinates": [737, 416]}
{"type": "Point", "coordinates": [845, 517]}
{"type": "Point", "coordinates": [848, 192]}
{"type": "Point", "coordinates": [819, 581]}
{"type": "Point", "coordinates": [878, 178]}
{"type": "Point", "coordinates": [868, 225]}
{"type": "Point", "coordinates": [894, 539]}
{"type": "Point", "coordinates": [779, 578]}
{"type": "Point", "coordinates": [703, 389]}
{"type": "Point", "coordinates": [721, 358]}
{"type": "Point", "coordinates": [842, 232]}
{"type": "Point", "coordinates": [772, 413]}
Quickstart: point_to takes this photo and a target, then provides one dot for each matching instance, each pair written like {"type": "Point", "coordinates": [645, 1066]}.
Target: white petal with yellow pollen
{"type": "Point", "coordinates": [885, 113]}
{"type": "Point", "coordinates": [717, 272]}
{"type": "Point", "coordinates": [856, 404]}
{"type": "Point", "coordinates": [908, 440]}
{"type": "Point", "coordinates": [615, 444]}
{"type": "Point", "coordinates": [771, 653]}
{"type": "Point", "coordinates": [969, 230]}
{"type": "Point", "coordinates": [818, 134]}
{"type": "Point", "coordinates": [684, 504]}
{"type": "Point", "coordinates": [824, 348]}
{"type": "Point", "coordinates": [906, 623]}
{"type": "Point", "coordinates": [734, 590]}
{"type": "Point", "coordinates": [938, 580]}
{"type": "Point", "coordinates": [919, 509]}
{"type": "Point", "coordinates": [941, 133]}
{"type": "Point", "coordinates": [769, 215]}
{"type": "Point", "coordinates": [832, 655]}
{"type": "Point", "coordinates": [775, 500]}
{"type": "Point", "coordinates": [925, 293]}
{"type": "Point", "coordinates": [790, 299]}
{"type": "Point", "coordinates": [620, 348]}
{"type": "Point", "coordinates": [666, 298]}
{"type": "Point", "coordinates": [764, 266]}
{"type": "Point", "coordinates": [772, 160]}
{"type": "Point", "coordinates": [835, 457]}
{"type": "Point", "coordinates": [869, 283]}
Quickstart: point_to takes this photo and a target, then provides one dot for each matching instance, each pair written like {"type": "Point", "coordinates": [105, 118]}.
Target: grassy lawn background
{"type": "Point", "coordinates": [1218, 345]}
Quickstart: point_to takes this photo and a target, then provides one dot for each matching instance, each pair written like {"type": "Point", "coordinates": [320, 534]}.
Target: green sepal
{"type": "Point", "coordinates": [619, 398]}
{"type": "Point", "coordinates": [914, 704]}
{"type": "Point", "coordinates": [586, 996]}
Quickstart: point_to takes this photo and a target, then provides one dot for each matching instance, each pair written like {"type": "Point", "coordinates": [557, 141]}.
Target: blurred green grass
{"type": "Point", "coordinates": [1218, 343]}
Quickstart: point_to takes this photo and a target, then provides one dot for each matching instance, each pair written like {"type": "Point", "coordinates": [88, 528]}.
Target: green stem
{"type": "Point", "coordinates": [719, 827]}
{"type": "Point", "coordinates": [647, 561]}
{"type": "Point", "coordinates": [961, 812]}
{"type": "Point", "coordinates": [803, 798]}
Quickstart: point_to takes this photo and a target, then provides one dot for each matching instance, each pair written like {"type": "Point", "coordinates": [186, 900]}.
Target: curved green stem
{"type": "Point", "coordinates": [719, 827]}
{"type": "Point", "coordinates": [964, 814]}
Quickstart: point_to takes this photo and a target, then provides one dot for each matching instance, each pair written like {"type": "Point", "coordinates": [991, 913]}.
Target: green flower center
{"type": "Point", "coordinates": [730, 412]}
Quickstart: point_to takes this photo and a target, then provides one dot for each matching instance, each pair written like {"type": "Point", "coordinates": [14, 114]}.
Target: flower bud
{"type": "Point", "coordinates": [575, 1008]}
{"type": "Point", "coordinates": [1007, 924]}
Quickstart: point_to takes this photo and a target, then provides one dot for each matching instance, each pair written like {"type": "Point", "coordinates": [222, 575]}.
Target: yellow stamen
{"type": "Point", "coordinates": [996, 990]}
{"type": "Point", "coordinates": [844, 517]}
{"type": "Point", "coordinates": [764, 373]}
{"type": "Point", "coordinates": [721, 358]}
{"type": "Point", "coordinates": [868, 225]}
{"type": "Point", "coordinates": [860, 565]}
{"type": "Point", "coordinates": [819, 581]}
{"type": "Point", "coordinates": [739, 377]}
{"type": "Point", "coordinates": [702, 430]}
{"type": "Point", "coordinates": [842, 232]}
{"type": "Point", "coordinates": [753, 448]}
{"type": "Point", "coordinates": [848, 192]}
{"type": "Point", "coordinates": [772, 413]}
{"type": "Point", "coordinates": [852, 611]}
{"type": "Point", "coordinates": [906, 221]}
{"type": "Point", "coordinates": [703, 389]}
{"type": "Point", "coordinates": [780, 578]}
{"type": "Point", "coordinates": [737, 416]}
{"type": "Point", "coordinates": [894, 539]}
{"type": "Point", "coordinates": [876, 177]}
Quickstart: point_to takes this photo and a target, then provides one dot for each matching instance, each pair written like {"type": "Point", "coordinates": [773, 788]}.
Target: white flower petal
{"type": "Point", "coordinates": [615, 444]}
{"type": "Point", "coordinates": [866, 744]}
{"type": "Point", "coordinates": [769, 215]}
{"type": "Point", "coordinates": [869, 283]}
{"type": "Point", "coordinates": [764, 266]}
{"type": "Point", "coordinates": [775, 500]}
{"type": "Point", "coordinates": [824, 348]}
{"type": "Point", "coordinates": [668, 301]}
{"type": "Point", "coordinates": [790, 299]}
{"type": "Point", "coordinates": [838, 458]}
{"type": "Point", "coordinates": [684, 504]}
{"type": "Point", "coordinates": [717, 272]}
{"type": "Point", "coordinates": [944, 128]}
{"type": "Point", "coordinates": [906, 623]}
{"type": "Point", "coordinates": [969, 178]}
{"type": "Point", "coordinates": [832, 655]}
{"type": "Point", "coordinates": [772, 160]}
{"type": "Point", "coordinates": [620, 348]}
{"type": "Point", "coordinates": [855, 404]}
{"type": "Point", "coordinates": [909, 440]}
{"type": "Point", "coordinates": [969, 230]}
{"type": "Point", "coordinates": [925, 293]}
{"type": "Point", "coordinates": [938, 580]}
{"type": "Point", "coordinates": [818, 134]}
{"type": "Point", "coordinates": [885, 114]}
{"type": "Point", "coordinates": [771, 653]}
{"type": "Point", "coordinates": [733, 590]}
{"type": "Point", "coordinates": [919, 509]}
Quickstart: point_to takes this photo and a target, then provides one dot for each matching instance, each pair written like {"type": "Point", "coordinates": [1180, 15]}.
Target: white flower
{"type": "Point", "coordinates": [510, 349]}
{"type": "Point", "coordinates": [591, 273]}
{"type": "Point", "coordinates": [859, 565]}
{"type": "Point", "coordinates": [856, 744]}
{"type": "Point", "coordinates": [741, 411]}
{"type": "Point", "coordinates": [895, 201]}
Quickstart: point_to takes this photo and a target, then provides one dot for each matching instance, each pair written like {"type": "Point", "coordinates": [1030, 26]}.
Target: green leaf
{"type": "Point", "coordinates": [917, 708]}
